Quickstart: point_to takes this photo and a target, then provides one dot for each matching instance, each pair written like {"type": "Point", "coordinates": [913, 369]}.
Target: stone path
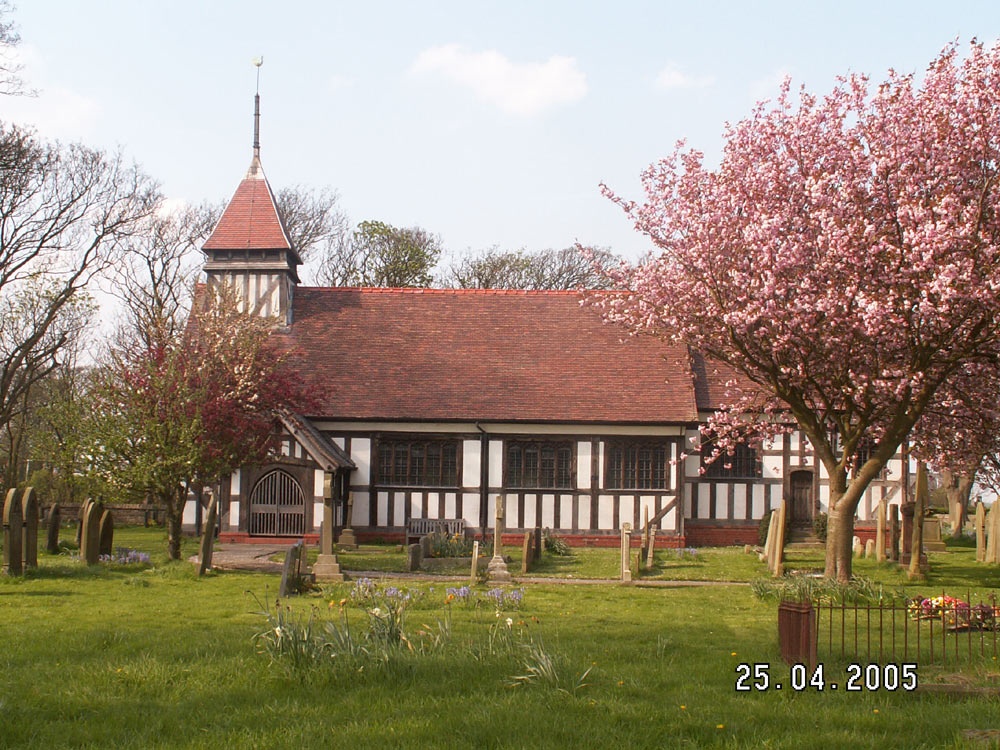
{"type": "Point", "coordinates": [256, 557]}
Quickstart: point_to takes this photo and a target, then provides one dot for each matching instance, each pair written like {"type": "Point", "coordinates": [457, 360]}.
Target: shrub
{"type": "Point", "coordinates": [819, 526]}
{"type": "Point", "coordinates": [556, 546]}
{"type": "Point", "coordinates": [762, 528]}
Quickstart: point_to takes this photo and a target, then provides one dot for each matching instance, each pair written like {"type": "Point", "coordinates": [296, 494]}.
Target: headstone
{"type": "Point", "coordinates": [526, 553]}
{"type": "Point", "coordinates": [208, 535]}
{"type": "Point", "coordinates": [290, 572]}
{"type": "Point", "coordinates": [880, 531]}
{"type": "Point", "coordinates": [870, 548]}
{"type": "Point", "coordinates": [649, 551]}
{"type": "Point", "coordinates": [414, 556]}
{"type": "Point", "coordinates": [425, 545]}
{"type": "Point", "coordinates": [52, 522]}
{"type": "Point", "coordinates": [538, 544]}
{"type": "Point", "coordinates": [777, 564]}
{"type": "Point", "coordinates": [475, 562]}
{"type": "Point", "coordinates": [347, 540]}
{"type": "Point", "coordinates": [90, 536]}
{"type": "Point", "coordinates": [932, 536]}
{"type": "Point", "coordinates": [106, 533]}
{"type": "Point", "coordinates": [995, 534]}
{"type": "Point", "coordinates": [980, 524]}
{"type": "Point", "coordinates": [12, 534]}
{"type": "Point", "coordinates": [29, 531]}
{"type": "Point", "coordinates": [991, 533]}
{"type": "Point", "coordinates": [857, 548]}
{"type": "Point", "coordinates": [895, 539]}
{"type": "Point", "coordinates": [626, 543]}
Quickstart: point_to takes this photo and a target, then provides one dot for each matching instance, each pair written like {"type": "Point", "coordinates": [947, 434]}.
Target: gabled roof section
{"type": "Point", "coordinates": [251, 221]}
{"type": "Point", "coordinates": [482, 356]}
{"type": "Point", "coordinates": [320, 448]}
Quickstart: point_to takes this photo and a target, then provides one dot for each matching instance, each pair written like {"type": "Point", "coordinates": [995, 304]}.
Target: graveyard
{"type": "Point", "coordinates": [136, 650]}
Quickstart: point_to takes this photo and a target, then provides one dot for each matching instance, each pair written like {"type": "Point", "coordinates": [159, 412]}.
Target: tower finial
{"type": "Point", "coordinates": [257, 61]}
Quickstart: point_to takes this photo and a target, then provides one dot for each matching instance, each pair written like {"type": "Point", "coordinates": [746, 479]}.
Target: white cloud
{"type": "Point", "coordinates": [523, 89]}
{"type": "Point", "coordinates": [671, 77]}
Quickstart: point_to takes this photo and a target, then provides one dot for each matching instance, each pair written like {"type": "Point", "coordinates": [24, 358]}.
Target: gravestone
{"type": "Point", "coordinates": [626, 543]}
{"type": "Point", "coordinates": [475, 562]}
{"type": "Point", "coordinates": [652, 546]}
{"type": "Point", "coordinates": [29, 530]}
{"type": "Point", "coordinates": [991, 533]}
{"type": "Point", "coordinates": [90, 534]}
{"type": "Point", "coordinates": [980, 524]}
{"type": "Point", "coordinates": [777, 560]}
{"type": "Point", "coordinates": [932, 536]}
{"type": "Point", "coordinates": [894, 536]}
{"type": "Point", "coordinates": [856, 547]}
{"type": "Point", "coordinates": [52, 522]}
{"type": "Point", "coordinates": [880, 531]}
{"type": "Point", "coordinates": [497, 569]}
{"type": "Point", "coordinates": [414, 556]}
{"type": "Point", "coordinates": [12, 534]}
{"type": "Point", "coordinates": [208, 536]}
{"type": "Point", "coordinates": [106, 533]}
{"type": "Point", "coordinates": [425, 545]}
{"type": "Point", "coordinates": [526, 553]}
{"type": "Point", "coordinates": [291, 572]}
{"type": "Point", "coordinates": [870, 548]}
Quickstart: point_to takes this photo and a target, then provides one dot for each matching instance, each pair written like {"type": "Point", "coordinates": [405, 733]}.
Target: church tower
{"type": "Point", "coordinates": [249, 252]}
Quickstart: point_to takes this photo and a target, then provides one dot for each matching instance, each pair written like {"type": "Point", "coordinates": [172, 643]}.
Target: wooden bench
{"type": "Point", "coordinates": [420, 527]}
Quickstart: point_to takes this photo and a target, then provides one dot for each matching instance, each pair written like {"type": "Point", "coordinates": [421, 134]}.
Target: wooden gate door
{"type": "Point", "coordinates": [802, 498]}
{"type": "Point", "coordinates": [277, 506]}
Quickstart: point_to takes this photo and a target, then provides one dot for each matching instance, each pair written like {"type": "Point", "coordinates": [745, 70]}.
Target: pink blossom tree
{"type": "Point", "coordinates": [843, 262]}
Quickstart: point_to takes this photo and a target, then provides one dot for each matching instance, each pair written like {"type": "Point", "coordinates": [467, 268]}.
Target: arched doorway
{"type": "Point", "coordinates": [800, 492]}
{"type": "Point", "coordinates": [277, 506]}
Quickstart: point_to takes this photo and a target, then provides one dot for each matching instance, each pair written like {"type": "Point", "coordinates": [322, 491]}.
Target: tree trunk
{"type": "Point", "coordinates": [914, 572]}
{"type": "Point", "coordinates": [958, 489]}
{"type": "Point", "coordinates": [839, 542]}
{"type": "Point", "coordinates": [175, 517]}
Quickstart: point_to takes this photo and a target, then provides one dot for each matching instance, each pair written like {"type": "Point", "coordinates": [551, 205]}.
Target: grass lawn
{"type": "Point", "coordinates": [119, 657]}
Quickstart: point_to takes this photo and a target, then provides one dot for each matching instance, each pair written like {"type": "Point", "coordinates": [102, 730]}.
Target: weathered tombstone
{"type": "Point", "coordinates": [208, 536]}
{"type": "Point", "coordinates": [425, 545]}
{"type": "Point", "coordinates": [777, 561]}
{"type": "Point", "coordinates": [772, 526]}
{"type": "Point", "coordinates": [290, 572]}
{"type": "Point", "coordinates": [538, 544]}
{"type": "Point", "coordinates": [12, 534]}
{"type": "Point", "coordinates": [90, 536]}
{"type": "Point", "coordinates": [932, 536]}
{"type": "Point", "coordinates": [29, 531]}
{"type": "Point", "coordinates": [53, 519]}
{"type": "Point", "coordinates": [626, 543]}
{"type": "Point", "coordinates": [880, 531]}
{"type": "Point", "coordinates": [106, 533]}
{"type": "Point", "coordinates": [652, 546]}
{"type": "Point", "coordinates": [526, 553]}
{"type": "Point", "coordinates": [870, 548]}
{"type": "Point", "coordinates": [995, 534]}
{"type": "Point", "coordinates": [856, 547]}
{"type": "Point", "coordinates": [895, 539]}
{"type": "Point", "coordinates": [980, 524]}
{"type": "Point", "coordinates": [414, 556]}
{"type": "Point", "coordinates": [475, 562]}
{"type": "Point", "coordinates": [81, 514]}
{"type": "Point", "coordinates": [991, 533]}
{"type": "Point", "coordinates": [347, 540]}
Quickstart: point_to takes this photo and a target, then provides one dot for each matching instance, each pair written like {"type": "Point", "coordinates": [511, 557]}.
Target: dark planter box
{"type": "Point", "coordinates": [797, 633]}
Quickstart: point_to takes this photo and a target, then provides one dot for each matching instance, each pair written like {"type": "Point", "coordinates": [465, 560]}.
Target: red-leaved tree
{"type": "Point", "coordinates": [844, 260]}
{"type": "Point", "coordinates": [189, 409]}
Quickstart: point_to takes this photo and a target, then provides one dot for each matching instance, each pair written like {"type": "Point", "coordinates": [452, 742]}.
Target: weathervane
{"type": "Point", "coordinates": [257, 61]}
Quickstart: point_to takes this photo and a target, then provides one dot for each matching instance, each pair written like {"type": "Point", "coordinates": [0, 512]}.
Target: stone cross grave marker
{"type": "Point", "coordinates": [497, 569]}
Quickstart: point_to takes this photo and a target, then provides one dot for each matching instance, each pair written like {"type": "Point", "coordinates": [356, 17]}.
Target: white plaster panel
{"type": "Point", "coordinates": [692, 466]}
{"type": "Point", "coordinates": [626, 511]}
{"type": "Point", "coordinates": [548, 511]}
{"type": "Point", "coordinates": [722, 501]}
{"type": "Point", "coordinates": [600, 465]}
{"type": "Point", "coordinates": [758, 501]}
{"type": "Point", "coordinates": [339, 442]}
{"type": "Point", "coordinates": [398, 508]}
{"type": "Point", "coordinates": [415, 503]}
{"type": "Point", "coordinates": [450, 503]}
{"type": "Point", "coordinates": [704, 500]}
{"type": "Point", "coordinates": [234, 514]}
{"type": "Point", "coordinates": [686, 500]}
{"type": "Point", "coordinates": [583, 520]}
{"type": "Point", "coordinates": [470, 508]}
{"type": "Point", "coordinates": [318, 477]}
{"type": "Point", "coordinates": [824, 498]}
{"type": "Point", "coordinates": [361, 454]}
{"type": "Point", "coordinates": [234, 484]}
{"type": "Point", "coordinates": [382, 509]}
{"type": "Point", "coordinates": [188, 517]}
{"type": "Point", "coordinates": [740, 501]}
{"type": "Point", "coordinates": [894, 468]}
{"type": "Point", "coordinates": [360, 509]}
{"type": "Point", "coordinates": [583, 456]}
{"type": "Point", "coordinates": [565, 512]}
{"type": "Point", "coordinates": [669, 521]}
{"type": "Point", "coordinates": [605, 512]}
{"type": "Point", "coordinates": [775, 496]}
{"type": "Point", "coordinates": [771, 467]}
{"type": "Point", "coordinates": [285, 448]}
{"type": "Point", "coordinates": [471, 463]}
{"type": "Point", "coordinates": [496, 463]}
{"type": "Point", "coordinates": [317, 515]}
{"type": "Point", "coordinates": [647, 504]}
{"type": "Point", "coordinates": [528, 521]}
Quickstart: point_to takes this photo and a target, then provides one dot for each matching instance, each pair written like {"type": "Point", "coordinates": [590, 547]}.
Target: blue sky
{"type": "Point", "coordinates": [489, 123]}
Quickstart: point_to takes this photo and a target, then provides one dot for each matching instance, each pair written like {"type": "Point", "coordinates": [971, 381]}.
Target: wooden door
{"type": "Point", "coordinates": [801, 491]}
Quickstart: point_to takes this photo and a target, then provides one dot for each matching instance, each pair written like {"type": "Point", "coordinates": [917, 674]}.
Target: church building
{"type": "Point", "coordinates": [440, 403]}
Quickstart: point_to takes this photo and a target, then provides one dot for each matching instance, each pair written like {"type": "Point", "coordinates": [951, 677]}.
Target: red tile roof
{"type": "Point", "coordinates": [482, 355]}
{"type": "Point", "coordinates": [251, 219]}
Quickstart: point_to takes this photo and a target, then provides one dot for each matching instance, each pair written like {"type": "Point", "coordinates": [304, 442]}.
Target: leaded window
{"type": "Point", "coordinates": [418, 463]}
{"type": "Point", "coordinates": [636, 466]}
{"type": "Point", "coordinates": [539, 465]}
{"type": "Point", "coordinates": [743, 463]}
